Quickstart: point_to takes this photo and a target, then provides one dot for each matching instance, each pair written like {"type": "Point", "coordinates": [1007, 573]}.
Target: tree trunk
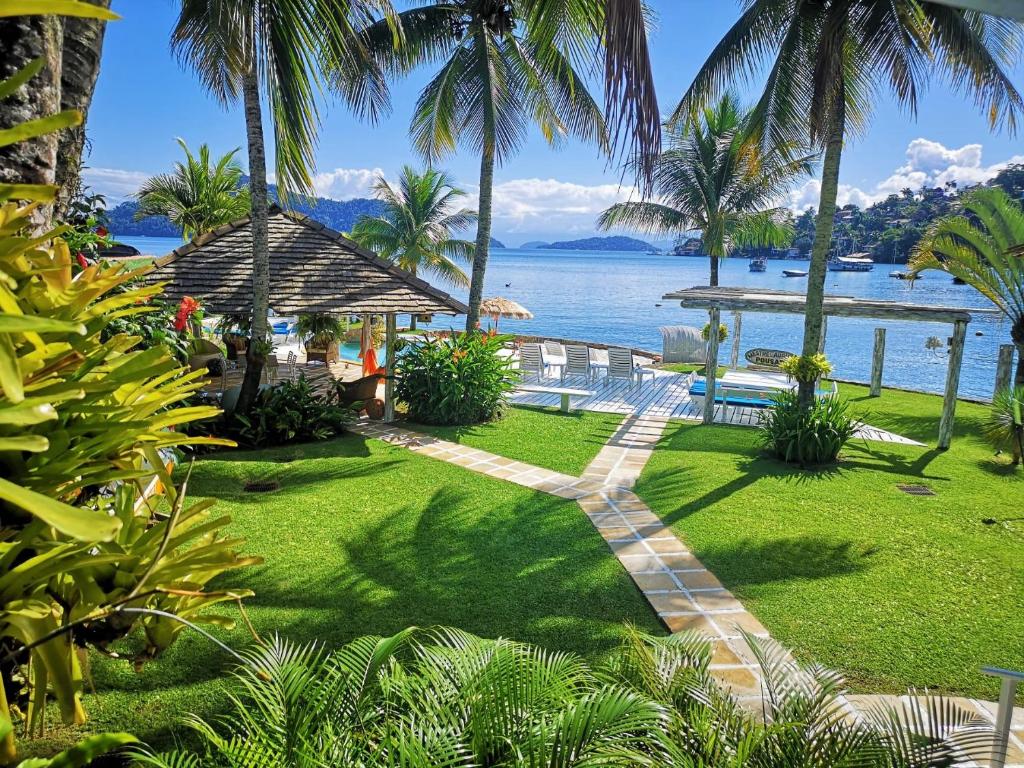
{"type": "Point", "coordinates": [83, 47]}
{"type": "Point", "coordinates": [819, 253]}
{"type": "Point", "coordinates": [714, 271]}
{"type": "Point", "coordinates": [24, 39]}
{"type": "Point", "coordinates": [483, 236]}
{"type": "Point", "coordinates": [1018, 377]}
{"type": "Point", "coordinates": [259, 345]}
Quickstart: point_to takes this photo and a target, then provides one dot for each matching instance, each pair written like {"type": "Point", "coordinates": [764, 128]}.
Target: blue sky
{"type": "Point", "coordinates": [144, 99]}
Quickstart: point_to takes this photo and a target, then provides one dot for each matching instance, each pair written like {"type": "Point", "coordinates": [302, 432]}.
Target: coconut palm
{"type": "Point", "coordinates": [415, 229]}
{"type": "Point", "coordinates": [199, 195]}
{"type": "Point", "coordinates": [981, 248]}
{"type": "Point", "coordinates": [716, 178]}
{"type": "Point", "coordinates": [506, 66]}
{"type": "Point", "coordinates": [827, 60]}
{"type": "Point", "coordinates": [288, 53]}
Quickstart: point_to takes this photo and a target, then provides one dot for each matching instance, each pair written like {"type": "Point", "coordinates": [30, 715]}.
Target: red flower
{"type": "Point", "coordinates": [186, 309]}
{"type": "Point", "coordinates": [82, 261]}
{"type": "Point", "coordinates": [102, 231]}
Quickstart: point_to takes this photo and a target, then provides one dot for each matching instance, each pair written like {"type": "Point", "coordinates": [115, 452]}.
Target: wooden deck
{"type": "Point", "coordinates": [667, 396]}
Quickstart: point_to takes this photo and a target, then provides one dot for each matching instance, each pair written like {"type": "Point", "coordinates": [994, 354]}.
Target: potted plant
{"type": "Point", "coordinates": [320, 333]}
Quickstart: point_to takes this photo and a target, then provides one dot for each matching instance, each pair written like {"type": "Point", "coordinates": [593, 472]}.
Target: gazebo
{"type": "Point", "coordinates": [312, 269]}
{"type": "Point", "coordinates": [739, 300]}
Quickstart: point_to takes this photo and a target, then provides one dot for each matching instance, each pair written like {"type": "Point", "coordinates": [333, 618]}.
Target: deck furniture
{"type": "Point", "coordinates": [531, 360]}
{"type": "Point", "coordinates": [554, 354]}
{"type": "Point", "coordinates": [290, 366]}
{"type": "Point", "coordinates": [271, 369]}
{"type": "Point", "coordinates": [577, 362]}
{"type": "Point", "coordinates": [565, 392]}
{"type": "Point", "coordinates": [358, 391]}
{"type": "Point", "coordinates": [203, 351]}
{"type": "Point", "coordinates": [621, 366]}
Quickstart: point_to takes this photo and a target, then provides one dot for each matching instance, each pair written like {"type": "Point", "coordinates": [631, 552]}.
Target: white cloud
{"type": "Point", "coordinates": [552, 205]}
{"type": "Point", "coordinates": [929, 164]}
{"type": "Point", "coordinates": [346, 183]}
{"type": "Point", "coordinates": [113, 183]}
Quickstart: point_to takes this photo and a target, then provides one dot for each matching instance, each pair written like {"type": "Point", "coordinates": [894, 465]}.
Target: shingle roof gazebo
{"type": "Point", "coordinates": [312, 269]}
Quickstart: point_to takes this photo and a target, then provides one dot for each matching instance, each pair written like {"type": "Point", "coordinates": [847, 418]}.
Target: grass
{"type": "Point", "coordinates": [893, 590]}
{"type": "Point", "coordinates": [365, 538]}
{"type": "Point", "coordinates": [544, 437]}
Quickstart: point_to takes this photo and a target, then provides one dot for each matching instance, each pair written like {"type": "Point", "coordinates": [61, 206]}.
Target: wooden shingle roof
{"type": "Point", "coordinates": [312, 269]}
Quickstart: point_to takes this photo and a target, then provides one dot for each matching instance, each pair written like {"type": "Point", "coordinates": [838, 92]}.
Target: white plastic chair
{"type": "Point", "coordinates": [621, 366]}
{"type": "Point", "coordinates": [577, 362]}
{"type": "Point", "coordinates": [531, 360]}
{"type": "Point", "coordinates": [290, 366]}
{"type": "Point", "coordinates": [270, 369]}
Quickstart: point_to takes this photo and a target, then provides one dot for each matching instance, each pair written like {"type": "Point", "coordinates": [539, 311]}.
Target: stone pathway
{"type": "Point", "coordinates": [685, 595]}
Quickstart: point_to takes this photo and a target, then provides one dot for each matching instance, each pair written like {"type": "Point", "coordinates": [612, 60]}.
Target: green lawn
{"type": "Point", "coordinates": [545, 437]}
{"type": "Point", "coordinates": [367, 538]}
{"type": "Point", "coordinates": [894, 590]}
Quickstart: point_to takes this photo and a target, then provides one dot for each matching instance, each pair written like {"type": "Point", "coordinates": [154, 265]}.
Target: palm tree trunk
{"type": "Point", "coordinates": [258, 343]}
{"type": "Point", "coordinates": [483, 235]}
{"type": "Point", "coordinates": [1018, 377]}
{"type": "Point", "coordinates": [819, 253]}
{"type": "Point", "coordinates": [714, 271]}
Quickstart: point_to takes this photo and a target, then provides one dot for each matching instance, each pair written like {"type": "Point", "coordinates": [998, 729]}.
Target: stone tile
{"type": "Point", "coordinates": [629, 548]}
{"type": "Point", "coordinates": [655, 532]}
{"type": "Point", "coordinates": [617, 534]}
{"type": "Point", "coordinates": [693, 622]}
{"type": "Point", "coordinates": [641, 518]}
{"type": "Point", "coordinates": [721, 600]}
{"type": "Point", "coordinates": [667, 546]}
{"type": "Point", "coordinates": [671, 602]}
{"type": "Point", "coordinates": [723, 654]}
{"type": "Point", "coordinates": [636, 564]}
{"type": "Point", "coordinates": [681, 562]}
{"type": "Point", "coordinates": [653, 581]}
{"type": "Point", "coordinates": [737, 678]}
{"type": "Point", "coordinates": [607, 520]}
{"type": "Point", "coordinates": [732, 622]}
{"type": "Point", "coordinates": [699, 580]}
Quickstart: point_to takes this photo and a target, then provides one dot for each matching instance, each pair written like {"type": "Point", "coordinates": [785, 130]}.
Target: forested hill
{"type": "Point", "coordinates": [336, 214]}
{"type": "Point", "coordinates": [615, 243]}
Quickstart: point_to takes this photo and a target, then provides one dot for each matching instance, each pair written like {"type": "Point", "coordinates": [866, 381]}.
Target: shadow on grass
{"type": "Point", "coordinates": [748, 563]}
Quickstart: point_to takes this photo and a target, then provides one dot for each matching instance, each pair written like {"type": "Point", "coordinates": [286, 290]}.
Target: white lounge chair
{"type": "Point", "coordinates": [554, 354]}
{"type": "Point", "coordinates": [531, 360]}
{"type": "Point", "coordinates": [577, 362]}
{"type": "Point", "coordinates": [621, 366]}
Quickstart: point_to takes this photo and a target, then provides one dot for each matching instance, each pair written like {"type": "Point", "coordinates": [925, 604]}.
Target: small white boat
{"type": "Point", "coordinates": [795, 272]}
{"type": "Point", "coordinates": [902, 275]}
{"type": "Point", "coordinates": [759, 265]}
{"type": "Point", "coordinates": [855, 262]}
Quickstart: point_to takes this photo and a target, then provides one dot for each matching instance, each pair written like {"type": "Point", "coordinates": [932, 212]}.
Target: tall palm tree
{"type": "Point", "coordinates": [984, 248]}
{"type": "Point", "coordinates": [716, 178]}
{"type": "Point", "coordinates": [415, 230]}
{"type": "Point", "coordinates": [289, 53]}
{"type": "Point", "coordinates": [199, 195]}
{"type": "Point", "coordinates": [829, 59]}
{"type": "Point", "coordinates": [504, 67]}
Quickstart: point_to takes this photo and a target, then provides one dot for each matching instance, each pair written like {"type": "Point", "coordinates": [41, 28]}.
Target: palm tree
{"type": "Point", "coordinates": [826, 62]}
{"type": "Point", "coordinates": [983, 248]}
{"type": "Point", "coordinates": [287, 52]}
{"type": "Point", "coordinates": [200, 195]}
{"type": "Point", "coordinates": [504, 67]}
{"type": "Point", "coordinates": [715, 178]}
{"type": "Point", "coordinates": [415, 229]}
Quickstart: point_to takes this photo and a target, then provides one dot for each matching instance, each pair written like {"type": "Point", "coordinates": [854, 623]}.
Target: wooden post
{"type": "Point", "coordinates": [824, 331]}
{"type": "Point", "coordinates": [877, 360]}
{"type": "Point", "coordinates": [737, 328]}
{"type": "Point", "coordinates": [391, 334]}
{"type": "Point", "coordinates": [711, 365]}
{"type": "Point", "coordinates": [956, 358]}
{"type": "Point", "coordinates": [1004, 368]}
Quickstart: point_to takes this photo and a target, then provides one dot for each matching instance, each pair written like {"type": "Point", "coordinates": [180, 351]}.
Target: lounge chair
{"type": "Point", "coordinates": [554, 353]}
{"type": "Point", "coordinates": [577, 362]}
{"type": "Point", "coordinates": [290, 366]}
{"type": "Point", "coordinates": [531, 360]}
{"type": "Point", "coordinates": [358, 391]}
{"type": "Point", "coordinates": [621, 366]}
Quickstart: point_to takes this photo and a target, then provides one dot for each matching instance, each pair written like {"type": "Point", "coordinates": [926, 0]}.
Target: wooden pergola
{"type": "Point", "coordinates": [740, 300]}
{"type": "Point", "coordinates": [313, 269]}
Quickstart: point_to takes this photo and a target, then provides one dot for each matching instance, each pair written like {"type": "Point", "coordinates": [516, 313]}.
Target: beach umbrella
{"type": "Point", "coordinates": [498, 307]}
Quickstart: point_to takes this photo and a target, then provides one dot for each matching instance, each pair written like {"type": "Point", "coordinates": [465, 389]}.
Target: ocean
{"type": "Point", "coordinates": [615, 298]}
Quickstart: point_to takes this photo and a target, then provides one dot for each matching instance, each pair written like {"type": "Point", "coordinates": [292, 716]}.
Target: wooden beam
{"type": "Point", "coordinates": [877, 361]}
{"type": "Point", "coordinates": [1004, 368]}
{"type": "Point", "coordinates": [956, 359]}
{"type": "Point", "coordinates": [711, 365]}
{"type": "Point", "coordinates": [737, 329]}
{"type": "Point", "coordinates": [391, 337]}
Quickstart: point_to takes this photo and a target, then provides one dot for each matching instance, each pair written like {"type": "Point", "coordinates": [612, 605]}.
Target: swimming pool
{"type": "Point", "coordinates": [349, 350]}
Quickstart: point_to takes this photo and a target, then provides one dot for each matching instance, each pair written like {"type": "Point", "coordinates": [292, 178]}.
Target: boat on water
{"type": "Point", "coordinates": [759, 265]}
{"type": "Point", "coordinates": [855, 262]}
{"type": "Point", "coordinates": [903, 275]}
{"type": "Point", "coordinates": [794, 272]}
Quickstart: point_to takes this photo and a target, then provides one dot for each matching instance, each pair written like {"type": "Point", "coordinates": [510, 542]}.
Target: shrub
{"type": "Point", "coordinates": [1004, 427]}
{"type": "Point", "coordinates": [807, 368]}
{"type": "Point", "coordinates": [459, 379]}
{"type": "Point", "coordinates": [291, 412]}
{"type": "Point", "coordinates": [723, 332]}
{"type": "Point", "coordinates": [319, 329]}
{"type": "Point", "coordinates": [809, 436]}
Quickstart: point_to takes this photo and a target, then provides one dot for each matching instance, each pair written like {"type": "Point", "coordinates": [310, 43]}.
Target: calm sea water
{"type": "Point", "coordinates": [615, 298]}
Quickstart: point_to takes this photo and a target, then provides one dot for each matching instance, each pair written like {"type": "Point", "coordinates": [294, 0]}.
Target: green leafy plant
{"type": "Point", "coordinates": [811, 436]}
{"type": "Point", "coordinates": [320, 329]}
{"type": "Point", "coordinates": [457, 379]}
{"type": "Point", "coordinates": [806, 368]}
{"type": "Point", "coordinates": [1004, 427]}
{"type": "Point", "coordinates": [81, 755]}
{"type": "Point", "coordinates": [723, 332]}
{"type": "Point", "coordinates": [443, 697]}
{"type": "Point", "coordinates": [291, 412]}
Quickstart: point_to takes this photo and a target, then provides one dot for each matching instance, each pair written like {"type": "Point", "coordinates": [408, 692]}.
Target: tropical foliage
{"type": "Point", "coordinates": [825, 64]}
{"type": "Point", "coordinates": [980, 247]}
{"type": "Point", "coordinates": [808, 436]}
{"type": "Point", "coordinates": [291, 412]}
{"type": "Point", "coordinates": [807, 368]}
{"type": "Point", "coordinates": [81, 755]}
{"type": "Point", "coordinates": [1004, 427]}
{"type": "Point", "coordinates": [446, 698]}
{"type": "Point", "coordinates": [416, 228]}
{"type": "Point", "coordinates": [457, 379]}
{"type": "Point", "coordinates": [199, 196]}
{"type": "Point", "coordinates": [318, 329]}
{"type": "Point", "coordinates": [716, 178]}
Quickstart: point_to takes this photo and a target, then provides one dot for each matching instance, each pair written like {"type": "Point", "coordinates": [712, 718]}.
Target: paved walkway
{"type": "Point", "coordinates": [685, 595]}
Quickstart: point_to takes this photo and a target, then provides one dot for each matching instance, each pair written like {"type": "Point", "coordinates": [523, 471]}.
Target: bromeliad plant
{"type": "Point", "coordinates": [810, 436]}
{"type": "Point", "coordinates": [459, 379]}
{"type": "Point", "coordinates": [291, 412]}
{"type": "Point", "coordinates": [1004, 427]}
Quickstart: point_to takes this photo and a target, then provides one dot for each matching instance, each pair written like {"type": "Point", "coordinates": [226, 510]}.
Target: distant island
{"type": "Point", "coordinates": [495, 243]}
{"type": "Point", "coordinates": [614, 243]}
{"type": "Point", "coordinates": [535, 244]}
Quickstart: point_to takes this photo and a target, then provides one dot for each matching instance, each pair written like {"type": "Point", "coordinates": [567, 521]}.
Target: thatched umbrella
{"type": "Point", "coordinates": [501, 307]}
